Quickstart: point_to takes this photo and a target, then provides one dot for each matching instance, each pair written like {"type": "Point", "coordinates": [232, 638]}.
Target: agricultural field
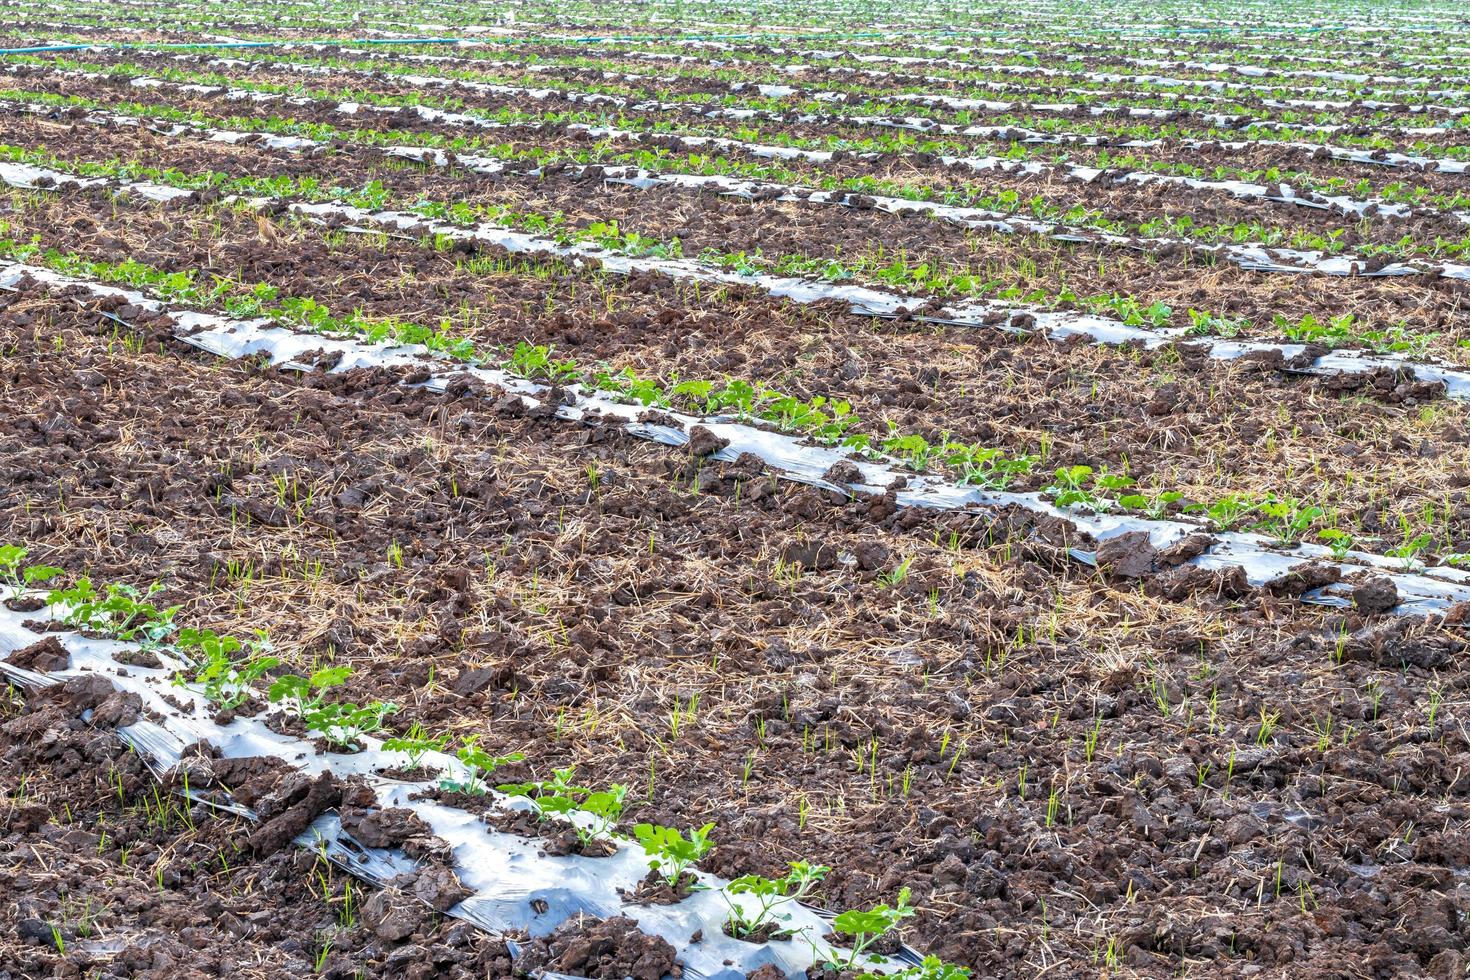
{"type": "Point", "coordinates": [680, 489]}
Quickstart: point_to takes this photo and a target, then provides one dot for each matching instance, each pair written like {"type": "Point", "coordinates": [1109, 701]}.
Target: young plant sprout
{"type": "Point", "coordinates": [768, 895]}
{"type": "Point", "coordinates": [669, 852]}
{"type": "Point", "coordinates": [416, 743]}
{"type": "Point", "coordinates": [341, 724]}
{"type": "Point", "coordinates": [298, 695]}
{"type": "Point", "coordinates": [477, 763]}
{"type": "Point", "coordinates": [1225, 514]}
{"type": "Point", "coordinates": [1286, 520]}
{"type": "Point", "coordinates": [121, 611]}
{"type": "Point", "coordinates": [1155, 508]}
{"type": "Point", "coordinates": [931, 968]}
{"type": "Point", "coordinates": [1339, 541]}
{"type": "Point", "coordinates": [604, 807]}
{"type": "Point", "coordinates": [1069, 489]}
{"type": "Point", "coordinates": [221, 680]}
{"type": "Point", "coordinates": [911, 449]}
{"type": "Point", "coordinates": [556, 796]}
{"type": "Point", "coordinates": [1410, 545]}
{"type": "Point", "coordinates": [867, 927]}
{"type": "Point", "coordinates": [19, 579]}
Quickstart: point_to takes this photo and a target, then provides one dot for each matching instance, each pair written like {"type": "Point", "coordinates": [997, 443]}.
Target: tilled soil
{"type": "Point", "coordinates": [1185, 426]}
{"type": "Point", "coordinates": [654, 86]}
{"type": "Point", "coordinates": [1151, 770]}
{"type": "Point", "coordinates": [1427, 305]}
{"type": "Point", "coordinates": [108, 875]}
{"type": "Point", "coordinates": [941, 718]}
{"type": "Point", "coordinates": [1286, 157]}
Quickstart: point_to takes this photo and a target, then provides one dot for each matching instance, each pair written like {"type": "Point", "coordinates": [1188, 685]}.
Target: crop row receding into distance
{"type": "Point", "coordinates": [1245, 183]}
{"type": "Point", "coordinates": [663, 277]}
{"type": "Point", "coordinates": [1252, 256]}
{"type": "Point", "coordinates": [501, 882]}
{"type": "Point", "coordinates": [1259, 556]}
{"type": "Point", "coordinates": [988, 313]}
{"type": "Point", "coordinates": [594, 246]}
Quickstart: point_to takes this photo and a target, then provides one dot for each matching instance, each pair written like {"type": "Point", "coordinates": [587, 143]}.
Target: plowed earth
{"type": "Point", "coordinates": [1151, 769]}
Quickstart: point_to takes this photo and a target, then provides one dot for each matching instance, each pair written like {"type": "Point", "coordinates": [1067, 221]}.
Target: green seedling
{"type": "Point", "coordinates": [737, 395]}
{"type": "Point", "coordinates": [604, 807]}
{"type": "Point", "coordinates": [122, 611]}
{"type": "Point", "coordinates": [1201, 323]}
{"type": "Point", "coordinates": [341, 724]}
{"type": "Point", "coordinates": [1339, 541]}
{"type": "Point", "coordinates": [1226, 513]}
{"type": "Point", "coordinates": [1155, 508]}
{"type": "Point", "coordinates": [17, 578]}
{"type": "Point", "coordinates": [912, 450]}
{"type": "Point", "coordinates": [534, 361]}
{"type": "Point", "coordinates": [1309, 329]}
{"type": "Point", "coordinates": [1069, 489]}
{"type": "Point", "coordinates": [932, 968]}
{"type": "Point", "coordinates": [1410, 546]}
{"type": "Point", "coordinates": [222, 681]}
{"type": "Point", "coordinates": [477, 763]}
{"type": "Point", "coordinates": [895, 577]}
{"type": "Point", "coordinates": [768, 895]}
{"type": "Point", "coordinates": [1286, 520]}
{"type": "Point", "coordinates": [556, 796]}
{"type": "Point", "coordinates": [416, 743]}
{"type": "Point", "coordinates": [865, 928]}
{"type": "Point", "coordinates": [985, 467]}
{"type": "Point", "coordinates": [298, 695]}
{"type": "Point", "coordinates": [669, 852]}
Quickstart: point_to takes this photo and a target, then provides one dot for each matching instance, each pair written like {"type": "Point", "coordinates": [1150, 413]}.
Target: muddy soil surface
{"type": "Point", "coordinates": [1149, 769]}
{"type": "Point", "coordinates": [107, 874]}
{"type": "Point", "coordinates": [651, 85]}
{"type": "Point", "coordinates": [766, 130]}
{"type": "Point", "coordinates": [1188, 426]}
{"type": "Point", "coordinates": [1049, 761]}
{"type": "Point", "coordinates": [1424, 306]}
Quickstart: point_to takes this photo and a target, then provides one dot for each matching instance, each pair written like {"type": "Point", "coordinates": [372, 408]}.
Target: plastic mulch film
{"type": "Point", "coordinates": [1255, 257]}
{"type": "Point", "coordinates": [1421, 589]}
{"type": "Point", "coordinates": [861, 300]}
{"type": "Point", "coordinates": [516, 885]}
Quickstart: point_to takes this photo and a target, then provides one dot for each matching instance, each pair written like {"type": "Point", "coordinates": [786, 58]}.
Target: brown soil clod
{"type": "Point", "coordinates": [1375, 595]}
{"type": "Point", "coordinates": [703, 442]}
{"type": "Point", "coordinates": [457, 552]}
{"type": "Point", "coordinates": [1127, 555]}
{"type": "Point", "coordinates": [599, 949]}
{"type": "Point", "coordinates": [290, 809]}
{"type": "Point", "coordinates": [655, 889]}
{"type": "Point", "coordinates": [43, 656]}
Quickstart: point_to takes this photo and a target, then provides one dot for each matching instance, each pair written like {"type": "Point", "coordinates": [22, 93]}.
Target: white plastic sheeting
{"type": "Point", "coordinates": [862, 300]}
{"type": "Point", "coordinates": [1216, 91]}
{"type": "Point", "coordinates": [913, 123]}
{"type": "Point", "coordinates": [780, 91]}
{"type": "Point", "coordinates": [1421, 588]}
{"type": "Point", "coordinates": [516, 885]}
{"type": "Point", "coordinates": [1254, 257]}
